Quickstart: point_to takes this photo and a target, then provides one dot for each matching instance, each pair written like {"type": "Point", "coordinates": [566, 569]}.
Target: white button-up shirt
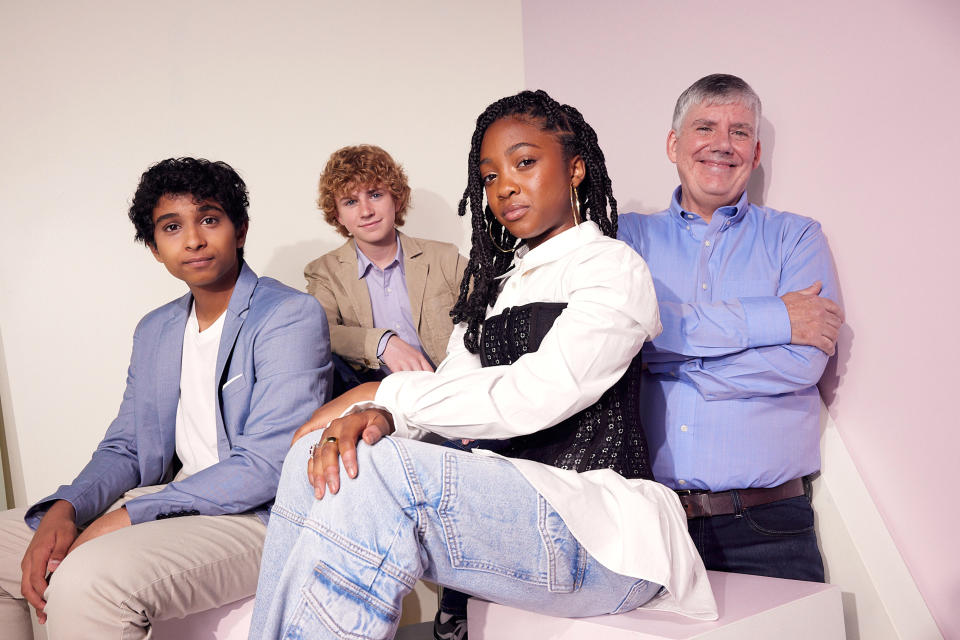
{"type": "Point", "coordinates": [634, 527]}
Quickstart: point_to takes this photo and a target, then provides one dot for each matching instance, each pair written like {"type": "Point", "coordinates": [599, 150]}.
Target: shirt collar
{"type": "Point", "coordinates": [733, 213]}
{"type": "Point", "coordinates": [364, 264]}
{"type": "Point", "coordinates": [553, 249]}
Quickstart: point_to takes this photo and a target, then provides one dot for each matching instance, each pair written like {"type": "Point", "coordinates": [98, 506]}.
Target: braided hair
{"type": "Point", "coordinates": [479, 287]}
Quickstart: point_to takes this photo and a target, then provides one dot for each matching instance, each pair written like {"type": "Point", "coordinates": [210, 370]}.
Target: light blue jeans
{"type": "Point", "coordinates": [339, 567]}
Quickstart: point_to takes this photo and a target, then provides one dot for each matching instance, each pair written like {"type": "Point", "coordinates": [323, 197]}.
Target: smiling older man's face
{"type": "Point", "coordinates": [715, 151]}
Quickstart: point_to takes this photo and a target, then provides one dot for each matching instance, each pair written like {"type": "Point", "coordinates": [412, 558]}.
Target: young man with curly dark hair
{"type": "Point", "coordinates": [168, 517]}
{"type": "Point", "coordinates": [387, 295]}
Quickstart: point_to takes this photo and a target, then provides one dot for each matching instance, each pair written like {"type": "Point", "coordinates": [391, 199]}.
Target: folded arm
{"type": "Point", "coordinates": [769, 345]}
{"type": "Point", "coordinates": [611, 310]}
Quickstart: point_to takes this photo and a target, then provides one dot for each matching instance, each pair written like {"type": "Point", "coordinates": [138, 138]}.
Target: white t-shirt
{"type": "Point", "coordinates": [196, 434]}
{"type": "Point", "coordinates": [634, 527]}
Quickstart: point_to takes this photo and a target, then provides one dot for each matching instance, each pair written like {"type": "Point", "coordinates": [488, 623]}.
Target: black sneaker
{"type": "Point", "coordinates": [454, 628]}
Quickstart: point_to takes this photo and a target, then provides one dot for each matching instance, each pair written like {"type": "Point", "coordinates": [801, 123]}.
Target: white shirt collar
{"type": "Point", "coordinates": [553, 249]}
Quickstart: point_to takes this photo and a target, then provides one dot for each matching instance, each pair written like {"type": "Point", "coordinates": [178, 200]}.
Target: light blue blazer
{"type": "Point", "coordinates": [273, 371]}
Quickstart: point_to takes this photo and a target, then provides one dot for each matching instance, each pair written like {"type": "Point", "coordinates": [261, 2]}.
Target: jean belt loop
{"type": "Point", "coordinates": [737, 506]}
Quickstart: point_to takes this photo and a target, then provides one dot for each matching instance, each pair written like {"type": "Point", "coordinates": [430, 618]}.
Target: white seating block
{"type": "Point", "coordinates": [232, 621]}
{"type": "Point", "coordinates": [229, 622]}
{"type": "Point", "coordinates": [749, 607]}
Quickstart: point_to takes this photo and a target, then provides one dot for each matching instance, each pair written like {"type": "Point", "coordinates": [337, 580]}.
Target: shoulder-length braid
{"type": "Point", "coordinates": [479, 288]}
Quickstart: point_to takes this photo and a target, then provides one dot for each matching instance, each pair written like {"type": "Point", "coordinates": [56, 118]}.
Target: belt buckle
{"type": "Point", "coordinates": [697, 504]}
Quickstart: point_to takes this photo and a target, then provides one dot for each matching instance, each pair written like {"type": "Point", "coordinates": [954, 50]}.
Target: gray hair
{"type": "Point", "coordinates": [717, 88]}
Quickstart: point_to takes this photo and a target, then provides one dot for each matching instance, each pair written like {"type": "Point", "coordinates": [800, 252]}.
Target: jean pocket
{"type": "Point", "coordinates": [489, 528]}
{"type": "Point", "coordinates": [332, 603]}
{"type": "Point", "coordinates": [791, 517]}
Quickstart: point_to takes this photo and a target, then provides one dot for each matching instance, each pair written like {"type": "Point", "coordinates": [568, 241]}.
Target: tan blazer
{"type": "Point", "coordinates": [433, 271]}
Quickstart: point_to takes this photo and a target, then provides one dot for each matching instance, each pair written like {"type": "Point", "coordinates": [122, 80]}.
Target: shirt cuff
{"type": "Point", "coordinates": [35, 514]}
{"type": "Point", "coordinates": [381, 347]}
{"type": "Point", "coordinates": [84, 510]}
{"type": "Point", "coordinates": [388, 399]}
{"type": "Point", "coordinates": [767, 321]}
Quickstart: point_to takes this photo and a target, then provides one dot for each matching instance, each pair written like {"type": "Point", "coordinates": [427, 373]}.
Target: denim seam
{"type": "Point", "coordinates": [418, 495]}
{"type": "Point", "coordinates": [547, 544]}
{"type": "Point", "coordinates": [582, 560]}
{"type": "Point", "coordinates": [358, 592]}
{"type": "Point", "coordinates": [631, 594]}
{"type": "Point", "coordinates": [553, 582]}
{"type": "Point", "coordinates": [452, 541]}
{"type": "Point", "coordinates": [347, 545]}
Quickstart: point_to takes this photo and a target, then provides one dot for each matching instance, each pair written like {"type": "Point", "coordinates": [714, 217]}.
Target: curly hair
{"type": "Point", "coordinates": [479, 287]}
{"type": "Point", "coordinates": [202, 179]}
{"type": "Point", "coordinates": [359, 166]}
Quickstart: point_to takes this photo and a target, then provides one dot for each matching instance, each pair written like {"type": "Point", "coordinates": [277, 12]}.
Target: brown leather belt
{"type": "Point", "coordinates": [699, 504]}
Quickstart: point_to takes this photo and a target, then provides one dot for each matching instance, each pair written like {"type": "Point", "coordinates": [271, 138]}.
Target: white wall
{"type": "Point", "coordinates": [93, 93]}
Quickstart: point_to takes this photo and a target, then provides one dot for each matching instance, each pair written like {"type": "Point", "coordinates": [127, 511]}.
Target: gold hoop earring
{"type": "Point", "coordinates": [575, 204]}
{"type": "Point", "coordinates": [496, 246]}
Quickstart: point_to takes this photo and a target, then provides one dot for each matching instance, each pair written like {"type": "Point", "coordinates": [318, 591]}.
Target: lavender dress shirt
{"type": "Point", "coordinates": [389, 301]}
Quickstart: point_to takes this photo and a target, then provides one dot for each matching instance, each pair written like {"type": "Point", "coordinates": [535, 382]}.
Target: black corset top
{"type": "Point", "coordinates": [607, 434]}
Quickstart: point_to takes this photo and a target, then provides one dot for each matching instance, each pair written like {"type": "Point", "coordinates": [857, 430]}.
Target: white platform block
{"type": "Point", "coordinates": [229, 622]}
{"type": "Point", "coordinates": [232, 621]}
{"type": "Point", "coordinates": [749, 606]}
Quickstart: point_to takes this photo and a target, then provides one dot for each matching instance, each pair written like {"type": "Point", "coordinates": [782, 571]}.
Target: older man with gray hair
{"type": "Point", "coordinates": [749, 306]}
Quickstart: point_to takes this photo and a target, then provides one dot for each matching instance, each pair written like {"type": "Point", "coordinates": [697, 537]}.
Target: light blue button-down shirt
{"type": "Point", "coordinates": [727, 402]}
{"type": "Point", "coordinates": [389, 300]}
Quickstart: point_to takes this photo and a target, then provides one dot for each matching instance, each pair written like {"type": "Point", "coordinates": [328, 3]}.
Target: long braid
{"type": "Point", "coordinates": [479, 288]}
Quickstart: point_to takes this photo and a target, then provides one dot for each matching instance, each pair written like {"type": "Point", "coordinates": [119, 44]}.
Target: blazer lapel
{"type": "Point", "coordinates": [416, 274]}
{"type": "Point", "coordinates": [168, 361]}
{"type": "Point", "coordinates": [356, 289]}
{"type": "Point", "coordinates": [232, 323]}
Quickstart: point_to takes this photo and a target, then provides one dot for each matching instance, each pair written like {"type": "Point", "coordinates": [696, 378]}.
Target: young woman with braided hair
{"type": "Point", "coordinates": [595, 200]}
{"type": "Point", "coordinates": [560, 519]}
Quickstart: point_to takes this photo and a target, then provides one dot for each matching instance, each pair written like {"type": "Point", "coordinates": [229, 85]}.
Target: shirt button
{"type": "Point", "coordinates": [704, 285]}
{"type": "Point", "coordinates": [388, 288]}
{"type": "Point", "coordinates": [684, 427]}
{"type": "Point", "coordinates": [688, 227]}
{"type": "Point", "coordinates": [681, 482]}
{"type": "Point", "coordinates": [707, 243]}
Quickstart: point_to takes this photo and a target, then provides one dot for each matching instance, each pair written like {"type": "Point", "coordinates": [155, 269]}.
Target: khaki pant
{"type": "Point", "coordinates": [113, 586]}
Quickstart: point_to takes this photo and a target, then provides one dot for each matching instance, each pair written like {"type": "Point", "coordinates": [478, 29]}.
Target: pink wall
{"type": "Point", "coordinates": [862, 131]}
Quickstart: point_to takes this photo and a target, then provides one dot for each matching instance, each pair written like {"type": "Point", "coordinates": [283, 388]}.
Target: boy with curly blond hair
{"type": "Point", "coordinates": [387, 295]}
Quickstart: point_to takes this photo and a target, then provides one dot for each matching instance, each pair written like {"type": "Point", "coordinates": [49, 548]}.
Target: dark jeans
{"type": "Point", "coordinates": [346, 377]}
{"type": "Point", "coordinates": [775, 540]}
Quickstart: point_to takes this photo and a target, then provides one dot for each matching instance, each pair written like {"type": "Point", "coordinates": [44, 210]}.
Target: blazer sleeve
{"type": "Point", "coordinates": [292, 373]}
{"type": "Point", "coordinates": [114, 467]}
{"type": "Point", "coordinates": [355, 344]}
